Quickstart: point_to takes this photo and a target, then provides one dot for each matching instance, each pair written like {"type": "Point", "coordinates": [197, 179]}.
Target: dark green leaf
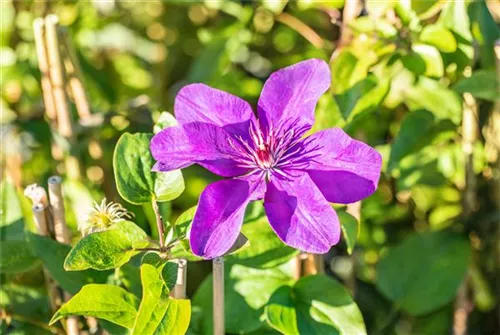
{"type": "Point", "coordinates": [265, 250]}
{"type": "Point", "coordinates": [364, 96]}
{"type": "Point", "coordinates": [481, 84]}
{"type": "Point", "coordinates": [158, 313]}
{"type": "Point", "coordinates": [485, 31]}
{"type": "Point", "coordinates": [246, 292]}
{"type": "Point", "coordinates": [423, 281]}
{"type": "Point", "coordinates": [52, 254]}
{"type": "Point", "coordinates": [108, 302]}
{"type": "Point", "coordinates": [412, 135]}
{"type": "Point", "coordinates": [414, 62]}
{"type": "Point", "coordinates": [24, 300]}
{"type": "Point", "coordinates": [314, 305]}
{"type": "Point", "coordinates": [16, 256]}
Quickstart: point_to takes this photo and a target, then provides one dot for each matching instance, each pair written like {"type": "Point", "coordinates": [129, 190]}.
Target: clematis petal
{"type": "Point", "coordinates": [202, 103]}
{"type": "Point", "coordinates": [196, 142]}
{"type": "Point", "coordinates": [300, 214]}
{"type": "Point", "coordinates": [346, 170]}
{"type": "Point", "coordinates": [219, 216]}
{"type": "Point", "coordinates": [291, 94]}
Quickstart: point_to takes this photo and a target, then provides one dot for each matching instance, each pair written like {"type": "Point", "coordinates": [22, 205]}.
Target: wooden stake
{"type": "Point", "coordinates": [179, 291]}
{"type": "Point", "coordinates": [40, 220]}
{"type": "Point", "coordinates": [218, 298]}
{"type": "Point", "coordinates": [352, 8]}
{"type": "Point", "coordinates": [57, 203]}
{"type": "Point", "coordinates": [463, 305]}
{"type": "Point", "coordinates": [43, 65]}
{"type": "Point", "coordinates": [40, 213]}
{"type": "Point", "coordinates": [313, 264]}
{"type": "Point", "coordinates": [64, 123]}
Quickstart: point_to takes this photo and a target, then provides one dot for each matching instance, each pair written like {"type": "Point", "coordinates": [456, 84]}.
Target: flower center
{"type": "Point", "coordinates": [276, 151]}
{"type": "Point", "coordinates": [263, 157]}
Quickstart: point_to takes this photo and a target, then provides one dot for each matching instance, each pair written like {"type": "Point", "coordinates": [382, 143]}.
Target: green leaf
{"type": "Point", "coordinates": [246, 292]}
{"type": "Point", "coordinates": [414, 62]}
{"type": "Point", "coordinates": [433, 96]}
{"type": "Point", "coordinates": [350, 229]}
{"type": "Point", "coordinates": [425, 9]}
{"type": "Point", "coordinates": [433, 62]}
{"type": "Point", "coordinates": [168, 185]}
{"type": "Point", "coordinates": [377, 8]}
{"type": "Point", "coordinates": [265, 250]}
{"type": "Point", "coordinates": [412, 135]}
{"type": "Point", "coordinates": [418, 130]}
{"type": "Point", "coordinates": [25, 300]}
{"type": "Point", "coordinates": [167, 269]}
{"type": "Point", "coordinates": [423, 281]}
{"type": "Point", "coordinates": [454, 17]}
{"type": "Point", "coordinates": [438, 36]}
{"type": "Point", "coordinates": [368, 25]}
{"type": "Point", "coordinates": [16, 256]}
{"type": "Point", "coordinates": [158, 313]}
{"type": "Point", "coordinates": [136, 183]}
{"type": "Point", "coordinates": [481, 84]}
{"type": "Point", "coordinates": [11, 207]}
{"type": "Point", "coordinates": [52, 254]}
{"type": "Point", "coordinates": [164, 121]}
{"type": "Point", "coordinates": [363, 97]}
{"type": "Point", "coordinates": [108, 302]}
{"type": "Point", "coordinates": [183, 222]}
{"type": "Point", "coordinates": [107, 249]}
{"type": "Point", "coordinates": [485, 32]}
{"type": "Point", "coordinates": [169, 274]}
{"type": "Point", "coordinates": [314, 305]}
{"type": "Point", "coordinates": [347, 70]}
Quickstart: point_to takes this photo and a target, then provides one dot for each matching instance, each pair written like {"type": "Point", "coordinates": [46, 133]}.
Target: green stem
{"type": "Point", "coordinates": [147, 249]}
{"type": "Point", "coordinates": [159, 224]}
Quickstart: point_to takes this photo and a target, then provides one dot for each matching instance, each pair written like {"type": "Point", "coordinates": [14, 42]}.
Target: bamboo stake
{"type": "Point", "coordinates": [43, 65]}
{"type": "Point", "coordinates": [352, 8]}
{"type": "Point", "coordinates": [38, 196]}
{"type": "Point", "coordinates": [179, 291]}
{"type": "Point", "coordinates": [218, 298]}
{"type": "Point", "coordinates": [62, 235]}
{"type": "Point", "coordinates": [297, 267]}
{"type": "Point", "coordinates": [469, 136]}
{"type": "Point", "coordinates": [57, 203]}
{"type": "Point", "coordinates": [57, 77]}
{"type": "Point", "coordinates": [40, 220]}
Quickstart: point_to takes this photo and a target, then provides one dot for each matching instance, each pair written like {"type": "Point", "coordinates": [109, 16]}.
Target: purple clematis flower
{"type": "Point", "coordinates": [268, 159]}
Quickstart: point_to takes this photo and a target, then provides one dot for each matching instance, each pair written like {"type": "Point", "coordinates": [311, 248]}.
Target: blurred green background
{"type": "Point", "coordinates": [401, 83]}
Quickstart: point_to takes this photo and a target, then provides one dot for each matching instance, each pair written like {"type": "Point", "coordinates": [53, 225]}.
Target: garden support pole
{"type": "Point", "coordinates": [463, 305]}
{"type": "Point", "coordinates": [179, 291]}
{"type": "Point", "coordinates": [61, 234]}
{"type": "Point", "coordinates": [43, 65]}
{"type": "Point", "coordinates": [57, 203]}
{"type": "Point", "coordinates": [218, 298]}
